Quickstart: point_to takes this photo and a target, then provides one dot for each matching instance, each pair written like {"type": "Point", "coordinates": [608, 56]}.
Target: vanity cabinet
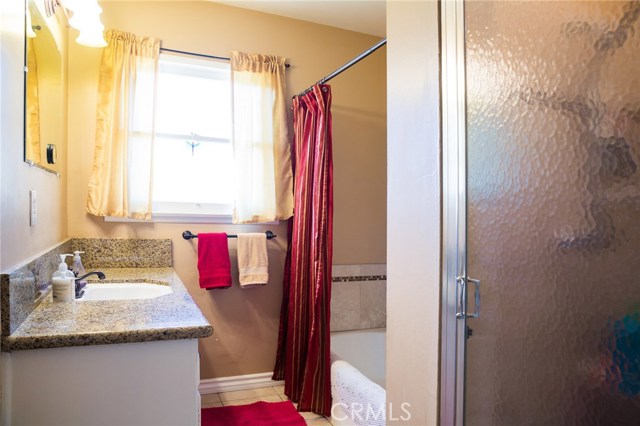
{"type": "Point", "coordinates": [150, 383]}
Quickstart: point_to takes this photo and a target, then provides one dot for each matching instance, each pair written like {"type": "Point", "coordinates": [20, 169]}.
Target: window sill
{"type": "Point", "coordinates": [186, 218]}
{"type": "Point", "coordinates": [177, 218]}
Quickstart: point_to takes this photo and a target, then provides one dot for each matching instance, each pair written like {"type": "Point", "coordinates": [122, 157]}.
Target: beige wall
{"type": "Point", "coordinates": [246, 321]}
{"type": "Point", "coordinates": [413, 259]}
{"type": "Point", "coordinates": [20, 241]}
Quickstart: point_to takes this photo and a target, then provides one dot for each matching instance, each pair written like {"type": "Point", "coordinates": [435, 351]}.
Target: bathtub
{"type": "Point", "coordinates": [358, 377]}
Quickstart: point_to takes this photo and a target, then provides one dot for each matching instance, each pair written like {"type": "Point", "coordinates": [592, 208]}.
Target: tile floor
{"type": "Point", "coordinates": [268, 394]}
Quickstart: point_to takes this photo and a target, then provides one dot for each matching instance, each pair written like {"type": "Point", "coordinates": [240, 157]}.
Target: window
{"type": "Point", "coordinates": [193, 163]}
{"type": "Point", "coordinates": [193, 157]}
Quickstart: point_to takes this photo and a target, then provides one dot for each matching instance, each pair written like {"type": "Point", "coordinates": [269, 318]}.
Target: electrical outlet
{"type": "Point", "coordinates": [33, 208]}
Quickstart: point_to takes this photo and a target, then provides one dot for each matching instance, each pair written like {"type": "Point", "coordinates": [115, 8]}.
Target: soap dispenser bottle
{"type": "Point", "coordinates": [63, 282]}
{"type": "Point", "coordinates": [78, 271]}
{"type": "Point", "coordinates": [77, 268]}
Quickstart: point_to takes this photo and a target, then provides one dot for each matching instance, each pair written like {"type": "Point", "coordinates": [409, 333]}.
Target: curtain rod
{"type": "Point", "coordinates": [201, 55]}
{"type": "Point", "coordinates": [347, 65]}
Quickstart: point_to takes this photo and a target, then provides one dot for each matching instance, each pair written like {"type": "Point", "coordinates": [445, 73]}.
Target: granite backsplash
{"type": "Point", "coordinates": [123, 253]}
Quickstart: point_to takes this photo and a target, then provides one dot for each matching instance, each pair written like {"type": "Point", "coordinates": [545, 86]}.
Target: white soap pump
{"type": "Point", "coordinates": [77, 268]}
{"type": "Point", "coordinates": [63, 282]}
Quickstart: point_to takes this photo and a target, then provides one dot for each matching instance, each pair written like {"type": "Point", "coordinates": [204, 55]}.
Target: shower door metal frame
{"type": "Point", "coordinates": [454, 214]}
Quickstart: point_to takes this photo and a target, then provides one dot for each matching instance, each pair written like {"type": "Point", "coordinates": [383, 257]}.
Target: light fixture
{"type": "Point", "coordinates": [80, 5]}
{"type": "Point", "coordinates": [86, 19]}
{"type": "Point", "coordinates": [92, 37]}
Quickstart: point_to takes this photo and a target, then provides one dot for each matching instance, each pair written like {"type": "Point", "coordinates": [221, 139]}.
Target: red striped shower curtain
{"type": "Point", "coordinates": [303, 343]}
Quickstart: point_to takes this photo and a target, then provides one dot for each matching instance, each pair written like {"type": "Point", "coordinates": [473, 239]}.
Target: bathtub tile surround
{"type": "Point", "coordinates": [358, 297]}
{"type": "Point", "coordinates": [363, 272]}
{"type": "Point", "coordinates": [373, 304]}
{"type": "Point", "coordinates": [345, 306]}
{"type": "Point", "coordinates": [124, 253]}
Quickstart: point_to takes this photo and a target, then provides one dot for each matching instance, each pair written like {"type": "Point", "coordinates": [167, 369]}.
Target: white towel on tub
{"type": "Point", "coordinates": [361, 402]}
{"type": "Point", "coordinates": [253, 263]}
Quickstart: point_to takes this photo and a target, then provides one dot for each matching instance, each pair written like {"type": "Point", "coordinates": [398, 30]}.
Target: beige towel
{"type": "Point", "coordinates": [253, 263]}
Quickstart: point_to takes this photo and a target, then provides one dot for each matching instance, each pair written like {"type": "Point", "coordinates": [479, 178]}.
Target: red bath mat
{"type": "Point", "coordinates": [256, 414]}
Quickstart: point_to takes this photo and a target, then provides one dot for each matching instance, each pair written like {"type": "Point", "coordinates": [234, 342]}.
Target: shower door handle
{"type": "Point", "coordinates": [461, 290]}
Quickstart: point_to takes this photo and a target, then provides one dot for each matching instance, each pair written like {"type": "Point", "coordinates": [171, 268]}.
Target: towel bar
{"type": "Point", "coordinates": [187, 235]}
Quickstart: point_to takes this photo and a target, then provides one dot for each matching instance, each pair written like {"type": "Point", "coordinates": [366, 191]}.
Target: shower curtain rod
{"type": "Point", "coordinates": [347, 65]}
{"type": "Point", "coordinates": [201, 55]}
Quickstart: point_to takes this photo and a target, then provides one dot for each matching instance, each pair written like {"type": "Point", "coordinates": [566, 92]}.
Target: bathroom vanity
{"type": "Point", "coordinates": [109, 362]}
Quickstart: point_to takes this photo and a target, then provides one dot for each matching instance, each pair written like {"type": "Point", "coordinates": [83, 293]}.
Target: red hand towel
{"type": "Point", "coordinates": [213, 261]}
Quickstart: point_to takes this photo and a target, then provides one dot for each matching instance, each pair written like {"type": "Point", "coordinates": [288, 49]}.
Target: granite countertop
{"type": "Point", "coordinates": [170, 317]}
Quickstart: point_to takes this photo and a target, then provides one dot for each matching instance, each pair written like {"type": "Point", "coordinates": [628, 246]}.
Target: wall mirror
{"type": "Point", "coordinates": [45, 128]}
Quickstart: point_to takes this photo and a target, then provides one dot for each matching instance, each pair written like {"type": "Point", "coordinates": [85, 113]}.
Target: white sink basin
{"type": "Point", "coordinates": [123, 291]}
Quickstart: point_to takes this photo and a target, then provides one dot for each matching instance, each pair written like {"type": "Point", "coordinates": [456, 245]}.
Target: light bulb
{"type": "Point", "coordinates": [91, 38]}
{"type": "Point", "coordinates": [82, 5]}
{"type": "Point", "coordinates": [82, 20]}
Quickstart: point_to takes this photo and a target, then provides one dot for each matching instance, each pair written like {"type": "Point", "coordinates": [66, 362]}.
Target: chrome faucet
{"type": "Point", "coordinates": [80, 285]}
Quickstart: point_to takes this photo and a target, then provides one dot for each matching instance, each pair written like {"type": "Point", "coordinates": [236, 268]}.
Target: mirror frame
{"type": "Point", "coordinates": [24, 97]}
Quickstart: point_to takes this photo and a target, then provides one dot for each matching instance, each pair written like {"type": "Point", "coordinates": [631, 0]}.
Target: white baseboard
{"type": "Point", "coordinates": [236, 383]}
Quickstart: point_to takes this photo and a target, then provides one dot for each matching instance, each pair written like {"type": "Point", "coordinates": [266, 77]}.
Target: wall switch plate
{"type": "Point", "coordinates": [33, 208]}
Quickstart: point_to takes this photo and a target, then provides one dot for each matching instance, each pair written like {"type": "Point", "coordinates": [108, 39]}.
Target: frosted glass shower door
{"type": "Point", "coordinates": [553, 212]}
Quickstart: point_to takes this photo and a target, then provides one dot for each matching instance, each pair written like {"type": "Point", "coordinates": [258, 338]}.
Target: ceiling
{"type": "Point", "coordinates": [364, 16]}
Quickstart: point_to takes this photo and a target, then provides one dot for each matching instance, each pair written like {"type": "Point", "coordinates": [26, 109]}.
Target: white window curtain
{"type": "Point", "coordinates": [119, 186]}
{"type": "Point", "coordinates": [264, 180]}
